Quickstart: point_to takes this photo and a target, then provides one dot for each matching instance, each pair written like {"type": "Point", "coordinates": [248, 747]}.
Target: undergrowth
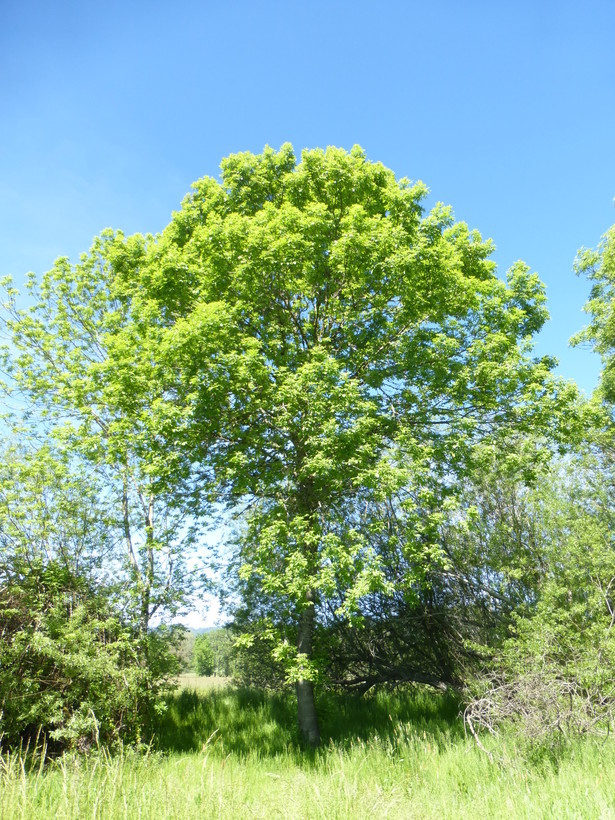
{"type": "Point", "coordinates": [232, 753]}
{"type": "Point", "coordinates": [249, 721]}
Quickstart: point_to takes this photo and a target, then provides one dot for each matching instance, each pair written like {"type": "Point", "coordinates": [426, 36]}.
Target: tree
{"type": "Point", "coordinates": [72, 361]}
{"type": "Point", "coordinates": [221, 645]}
{"type": "Point", "coordinates": [337, 350]}
{"type": "Point", "coordinates": [212, 653]}
{"type": "Point", "coordinates": [599, 266]}
{"type": "Point", "coordinates": [71, 670]}
{"type": "Point", "coordinates": [203, 655]}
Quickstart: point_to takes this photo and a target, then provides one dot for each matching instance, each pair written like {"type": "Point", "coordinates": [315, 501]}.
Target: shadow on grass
{"type": "Point", "coordinates": [253, 722]}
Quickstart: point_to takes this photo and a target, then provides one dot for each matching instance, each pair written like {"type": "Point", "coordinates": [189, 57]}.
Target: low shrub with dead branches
{"type": "Point", "coordinates": [539, 704]}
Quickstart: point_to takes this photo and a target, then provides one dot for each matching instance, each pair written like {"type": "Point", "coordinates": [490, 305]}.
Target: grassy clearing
{"type": "Point", "coordinates": [235, 754]}
{"type": "Point", "coordinates": [199, 683]}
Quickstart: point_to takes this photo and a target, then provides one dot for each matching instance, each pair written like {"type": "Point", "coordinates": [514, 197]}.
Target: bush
{"type": "Point", "coordinates": [71, 672]}
{"type": "Point", "coordinates": [203, 656]}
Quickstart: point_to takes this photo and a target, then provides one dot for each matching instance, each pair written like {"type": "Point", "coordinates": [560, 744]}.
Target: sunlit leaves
{"type": "Point", "coordinates": [335, 349]}
{"type": "Point", "coordinates": [599, 267]}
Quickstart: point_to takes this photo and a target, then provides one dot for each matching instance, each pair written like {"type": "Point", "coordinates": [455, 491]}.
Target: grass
{"type": "Point", "coordinates": [190, 680]}
{"type": "Point", "coordinates": [247, 722]}
{"type": "Point", "coordinates": [227, 753]}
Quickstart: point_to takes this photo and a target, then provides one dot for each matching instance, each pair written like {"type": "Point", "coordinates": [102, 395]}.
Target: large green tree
{"type": "Point", "coordinates": [334, 348]}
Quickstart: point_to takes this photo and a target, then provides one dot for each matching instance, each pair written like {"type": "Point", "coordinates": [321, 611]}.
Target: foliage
{"type": "Point", "coordinates": [75, 668]}
{"type": "Point", "coordinates": [203, 656]}
{"type": "Point", "coordinates": [221, 643]}
{"type": "Point", "coordinates": [337, 350]}
{"type": "Point", "coordinates": [303, 348]}
{"type": "Point", "coordinates": [71, 673]}
{"type": "Point", "coordinates": [51, 510]}
{"type": "Point", "coordinates": [599, 266]}
{"type": "Point", "coordinates": [554, 676]}
{"type": "Point", "coordinates": [71, 361]}
{"type": "Point", "coordinates": [255, 661]}
{"type": "Point", "coordinates": [214, 653]}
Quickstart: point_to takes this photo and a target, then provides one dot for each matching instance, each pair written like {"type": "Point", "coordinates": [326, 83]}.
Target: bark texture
{"type": "Point", "coordinates": [306, 706]}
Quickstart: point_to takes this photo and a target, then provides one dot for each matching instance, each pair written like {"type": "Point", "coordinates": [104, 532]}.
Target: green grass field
{"type": "Point", "coordinates": [227, 753]}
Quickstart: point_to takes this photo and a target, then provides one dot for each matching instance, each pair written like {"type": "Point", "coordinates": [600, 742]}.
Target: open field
{"type": "Point", "coordinates": [235, 754]}
{"type": "Point", "coordinates": [199, 683]}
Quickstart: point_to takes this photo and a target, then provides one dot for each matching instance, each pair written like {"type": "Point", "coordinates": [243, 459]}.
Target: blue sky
{"type": "Point", "coordinates": [505, 110]}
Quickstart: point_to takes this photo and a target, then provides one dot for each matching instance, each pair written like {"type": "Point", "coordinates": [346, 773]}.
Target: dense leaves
{"type": "Point", "coordinates": [71, 672]}
{"type": "Point", "coordinates": [337, 351]}
{"type": "Point", "coordinates": [308, 352]}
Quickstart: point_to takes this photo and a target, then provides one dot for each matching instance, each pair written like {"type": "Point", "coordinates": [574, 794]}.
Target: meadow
{"type": "Point", "coordinates": [222, 752]}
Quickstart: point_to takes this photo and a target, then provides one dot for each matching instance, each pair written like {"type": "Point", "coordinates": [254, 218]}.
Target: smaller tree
{"type": "Point", "coordinates": [79, 367]}
{"type": "Point", "coordinates": [203, 655]}
{"type": "Point", "coordinates": [553, 677]}
{"type": "Point", "coordinates": [214, 653]}
{"type": "Point", "coordinates": [72, 669]}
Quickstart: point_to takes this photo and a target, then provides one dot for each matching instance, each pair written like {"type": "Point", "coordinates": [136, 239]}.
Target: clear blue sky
{"type": "Point", "coordinates": [505, 110]}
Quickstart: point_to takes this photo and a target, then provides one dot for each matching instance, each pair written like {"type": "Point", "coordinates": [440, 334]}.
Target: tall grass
{"type": "Point", "coordinates": [251, 722]}
{"type": "Point", "coordinates": [236, 754]}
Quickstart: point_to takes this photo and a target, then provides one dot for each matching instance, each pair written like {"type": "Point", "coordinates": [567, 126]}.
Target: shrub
{"type": "Point", "coordinates": [203, 656]}
{"type": "Point", "coordinates": [71, 671]}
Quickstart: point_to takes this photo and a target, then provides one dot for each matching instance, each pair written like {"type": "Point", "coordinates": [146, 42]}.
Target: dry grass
{"type": "Point", "coordinates": [200, 683]}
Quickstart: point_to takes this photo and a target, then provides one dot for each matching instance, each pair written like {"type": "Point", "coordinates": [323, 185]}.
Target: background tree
{"type": "Point", "coordinates": [72, 671]}
{"type": "Point", "coordinates": [221, 644]}
{"type": "Point", "coordinates": [599, 267]}
{"type": "Point", "coordinates": [367, 348]}
{"type": "Point", "coordinates": [203, 655]}
{"type": "Point", "coordinates": [80, 371]}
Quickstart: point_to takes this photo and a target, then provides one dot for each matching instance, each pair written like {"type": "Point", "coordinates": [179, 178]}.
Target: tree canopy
{"type": "Point", "coordinates": [308, 348]}
{"type": "Point", "coordinates": [335, 348]}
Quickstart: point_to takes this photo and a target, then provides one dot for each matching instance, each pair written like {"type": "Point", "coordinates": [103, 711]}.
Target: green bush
{"type": "Point", "coordinates": [72, 673]}
{"type": "Point", "coordinates": [203, 656]}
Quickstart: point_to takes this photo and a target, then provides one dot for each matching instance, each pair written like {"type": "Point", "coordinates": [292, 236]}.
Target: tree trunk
{"type": "Point", "coordinates": [148, 573]}
{"type": "Point", "coordinates": [306, 707]}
